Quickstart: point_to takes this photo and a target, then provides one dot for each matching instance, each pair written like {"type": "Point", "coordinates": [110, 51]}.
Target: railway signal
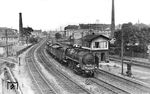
{"type": "Point", "coordinates": [148, 52]}
{"type": "Point", "coordinates": [12, 85]}
{"type": "Point", "coordinates": [19, 58]}
{"type": "Point", "coordinates": [122, 51]}
{"type": "Point", "coordinates": [128, 72]}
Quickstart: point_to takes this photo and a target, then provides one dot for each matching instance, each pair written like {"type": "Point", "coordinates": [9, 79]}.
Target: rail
{"type": "Point", "coordinates": [59, 74]}
{"type": "Point", "coordinates": [130, 82]}
{"type": "Point", "coordinates": [134, 62]}
{"type": "Point", "coordinates": [42, 83]}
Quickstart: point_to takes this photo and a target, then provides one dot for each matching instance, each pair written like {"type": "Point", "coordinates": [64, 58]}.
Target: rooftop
{"type": "Point", "coordinates": [89, 38]}
{"type": "Point", "coordinates": [38, 31]}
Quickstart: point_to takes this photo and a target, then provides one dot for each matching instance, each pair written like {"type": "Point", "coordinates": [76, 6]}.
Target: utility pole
{"type": "Point", "coordinates": [6, 35]}
{"type": "Point", "coordinates": [122, 51]}
{"type": "Point", "coordinates": [73, 36]}
{"type": "Point", "coordinates": [82, 38]}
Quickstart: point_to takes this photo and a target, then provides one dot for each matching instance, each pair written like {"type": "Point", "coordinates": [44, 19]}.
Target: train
{"type": "Point", "coordinates": [81, 61]}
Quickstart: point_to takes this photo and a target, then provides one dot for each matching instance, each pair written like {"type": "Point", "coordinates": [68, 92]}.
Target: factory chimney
{"type": "Point", "coordinates": [20, 27]}
{"type": "Point", "coordinates": [112, 20]}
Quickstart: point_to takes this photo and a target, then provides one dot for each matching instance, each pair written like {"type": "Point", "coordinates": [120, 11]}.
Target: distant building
{"type": "Point", "coordinates": [12, 35]}
{"type": "Point", "coordinates": [87, 29]}
{"type": "Point", "coordinates": [103, 29]}
{"type": "Point", "coordinates": [69, 30]}
{"type": "Point", "coordinates": [12, 38]}
{"type": "Point", "coordinates": [3, 48]}
{"type": "Point", "coordinates": [37, 33]}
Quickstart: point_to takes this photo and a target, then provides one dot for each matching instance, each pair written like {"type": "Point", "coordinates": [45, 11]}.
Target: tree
{"type": "Point", "coordinates": [132, 35]}
{"type": "Point", "coordinates": [27, 32]}
{"type": "Point", "coordinates": [129, 34]}
{"type": "Point", "coordinates": [33, 40]}
{"type": "Point", "coordinates": [58, 36]}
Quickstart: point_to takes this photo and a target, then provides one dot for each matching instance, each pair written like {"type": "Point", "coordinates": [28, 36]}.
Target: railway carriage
{"type": "Point", "coordinates": [54, 50]}
{"type": "Point", "coordinates": [48, 44]}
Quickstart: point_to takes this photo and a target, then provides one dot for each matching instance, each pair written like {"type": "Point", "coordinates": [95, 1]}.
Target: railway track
{"type": "Point", "coordinates": [134, 62]}
{"type": "Point", "coordinates": [106, 87]}
{"type": "Point", "coordinates": [122, 83]}
{"type": "Point", "coordinates": [43, 86]}
{"type": "Point", "coordinates": [61, 76]}
{"type": "Point", "coordinates": [117, 85]}
{"type": "Point", "coordinates": [111, 89]}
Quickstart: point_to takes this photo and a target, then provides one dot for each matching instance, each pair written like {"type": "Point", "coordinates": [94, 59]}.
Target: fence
{"type": "Point", "coordinates": [22, 50]}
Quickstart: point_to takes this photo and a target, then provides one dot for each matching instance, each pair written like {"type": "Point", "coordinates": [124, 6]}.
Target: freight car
{"type": "Point", "coordinates": [80, 61]}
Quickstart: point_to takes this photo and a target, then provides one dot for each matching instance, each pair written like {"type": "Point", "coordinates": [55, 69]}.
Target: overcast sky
{"type": "Point", "coordinates": [51, 14]}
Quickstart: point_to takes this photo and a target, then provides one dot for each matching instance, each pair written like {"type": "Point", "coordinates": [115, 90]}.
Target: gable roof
{"type": "Point", "coordinates": [89, 38]}
{"type": "Point", "coordinates": [71, 27]}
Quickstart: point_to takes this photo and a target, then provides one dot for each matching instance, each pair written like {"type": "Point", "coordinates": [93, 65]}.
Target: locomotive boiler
{"type": "Point", "coordinates": [79, 59]}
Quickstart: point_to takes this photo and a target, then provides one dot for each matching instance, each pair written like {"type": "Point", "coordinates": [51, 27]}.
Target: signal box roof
{"type": "Point", "coordinates": [56, 46]}
{"type": "Point", "coordinates": [89, 38]}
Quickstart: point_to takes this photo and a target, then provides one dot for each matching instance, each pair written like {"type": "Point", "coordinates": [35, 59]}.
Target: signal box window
{"type": "Point", "coordinates": [96, 44]}
{"type": "Point", "coordinates": [103, 44]}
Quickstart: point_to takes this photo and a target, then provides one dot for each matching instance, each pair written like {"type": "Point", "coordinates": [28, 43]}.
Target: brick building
{"type": "Point", "coordinates": [77, 31]}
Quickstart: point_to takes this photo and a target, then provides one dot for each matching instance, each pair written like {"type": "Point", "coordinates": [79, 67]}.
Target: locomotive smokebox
{"type": "Point", "coordinates": [88, 59]}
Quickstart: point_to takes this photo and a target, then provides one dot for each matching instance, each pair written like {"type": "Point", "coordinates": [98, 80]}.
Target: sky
{"type": "Point", "coordinates": [56, 14]}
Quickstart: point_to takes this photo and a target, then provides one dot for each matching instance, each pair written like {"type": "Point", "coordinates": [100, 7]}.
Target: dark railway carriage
{"type": "Point", "coordinates": [54, 50]}
{"type": "Point", "coordinates": [48, 45]}
{"type": "Point", "coordinates": [60, 53]}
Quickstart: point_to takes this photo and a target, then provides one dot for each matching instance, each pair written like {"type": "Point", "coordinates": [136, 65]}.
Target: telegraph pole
{"type": "Point", "coordinates": [122, 51]}
{"type": "Point", "coordinates": [73, 36]}
{"type": "Point", "coordinates": [82, 38]}
{"type": "Point", "coordinates": [6, 35]}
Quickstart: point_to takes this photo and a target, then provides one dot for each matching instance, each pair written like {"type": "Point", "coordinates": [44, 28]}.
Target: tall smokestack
{"type": "Point", "coordinates": [112, 20]}
{"type": "Point", "coordinates": [20, 26]}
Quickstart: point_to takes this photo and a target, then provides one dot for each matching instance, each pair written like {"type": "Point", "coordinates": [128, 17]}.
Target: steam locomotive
{"type": "Point", "coordinates": [79, 60]}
